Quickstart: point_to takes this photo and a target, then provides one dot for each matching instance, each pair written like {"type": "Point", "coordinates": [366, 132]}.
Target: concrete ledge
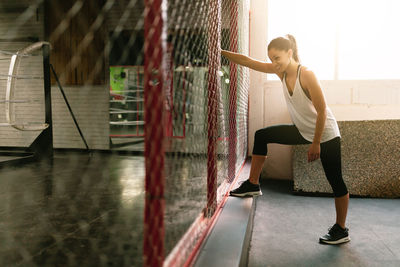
{"type": "Point", "coordinates": [370, 161]}
{"type": "Point", "coordinates": [228, 242]}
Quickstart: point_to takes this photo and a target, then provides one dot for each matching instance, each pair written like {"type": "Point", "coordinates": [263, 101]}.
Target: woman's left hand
{"type": "Point", "coordinates": [314, 152]}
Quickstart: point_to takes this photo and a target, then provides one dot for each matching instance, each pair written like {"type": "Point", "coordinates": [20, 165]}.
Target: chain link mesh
{"type": "Point", "coordinates": [217, 106]}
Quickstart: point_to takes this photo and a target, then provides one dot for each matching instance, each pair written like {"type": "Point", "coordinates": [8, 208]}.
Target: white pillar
{"type": "Point", "coordinates": [258, 50]}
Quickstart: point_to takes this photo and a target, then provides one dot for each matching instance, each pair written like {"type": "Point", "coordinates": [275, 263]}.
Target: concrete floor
{"type": "Point", "coordinates": [287, 227]}
{"type": "Point", "coordinates": [77, 210]}
{"type": "Point", "coordinates": [86, 209]}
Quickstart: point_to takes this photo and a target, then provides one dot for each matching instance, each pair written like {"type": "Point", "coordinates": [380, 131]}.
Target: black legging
{"type": "Point", "coordinates": [290, 135]}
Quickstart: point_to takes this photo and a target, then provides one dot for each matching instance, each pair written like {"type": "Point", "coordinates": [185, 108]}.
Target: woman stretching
{"type": "Point", "coordinates": [313, 123]}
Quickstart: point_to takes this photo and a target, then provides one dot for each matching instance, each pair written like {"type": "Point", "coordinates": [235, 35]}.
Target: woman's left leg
{"type": "Point", "coordinates": [341, 205]}
{"type": "Point", "coordinates": [332, 163]}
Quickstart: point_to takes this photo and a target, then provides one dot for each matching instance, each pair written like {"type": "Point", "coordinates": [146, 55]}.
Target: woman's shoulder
{"type": "Point", "coordinates": [306, 74]}
{"type": "Point", "coordinates": [306, 70]}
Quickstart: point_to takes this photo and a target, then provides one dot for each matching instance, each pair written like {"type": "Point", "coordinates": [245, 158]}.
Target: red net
{"type": "Point", "coordinates": [214, 93]}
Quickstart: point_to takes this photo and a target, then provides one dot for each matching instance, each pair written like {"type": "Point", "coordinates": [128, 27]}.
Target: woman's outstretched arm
{"type": "Point", "coordinates": [248, 62]}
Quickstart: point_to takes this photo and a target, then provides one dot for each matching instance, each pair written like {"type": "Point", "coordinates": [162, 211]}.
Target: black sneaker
{"type": "Point", "coordinates": [246, 189]}
{"type": "Point", "coordinates": [336, 235]}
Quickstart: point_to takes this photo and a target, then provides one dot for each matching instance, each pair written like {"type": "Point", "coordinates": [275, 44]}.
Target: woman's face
{"type": "Point", "coordinates": [280, 59]}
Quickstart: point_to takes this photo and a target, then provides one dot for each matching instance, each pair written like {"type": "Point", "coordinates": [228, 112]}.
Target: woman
{"type": "Point", "coordinates": [314, 124]}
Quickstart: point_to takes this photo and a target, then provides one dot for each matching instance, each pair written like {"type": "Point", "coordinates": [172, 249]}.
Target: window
{"type": "Point", "coordinates": [339, 39]}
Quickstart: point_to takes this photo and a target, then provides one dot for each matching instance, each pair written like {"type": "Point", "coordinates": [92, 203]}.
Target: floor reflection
{"type": "Point", "coordinates": [76, 210]}
{"type": "Point", "coordinates": [81, 209]}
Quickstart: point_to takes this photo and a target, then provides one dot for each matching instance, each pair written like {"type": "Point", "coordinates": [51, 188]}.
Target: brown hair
{"type": "Point", "coordinates": [285, 43]}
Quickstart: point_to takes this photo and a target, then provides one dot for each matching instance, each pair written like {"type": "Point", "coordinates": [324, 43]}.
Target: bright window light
{"type": "Point", "coordinates": [341, 39]}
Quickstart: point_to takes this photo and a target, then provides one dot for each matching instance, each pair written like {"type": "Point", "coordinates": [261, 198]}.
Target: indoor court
{"type": "Point", "coordinates": [124, 129]}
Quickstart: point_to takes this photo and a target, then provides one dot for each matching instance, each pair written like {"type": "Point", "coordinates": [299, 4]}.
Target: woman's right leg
{"type": "Point", "coordinates": [279, 134]}
{"type": "Point", "coordinates": [257, 163]}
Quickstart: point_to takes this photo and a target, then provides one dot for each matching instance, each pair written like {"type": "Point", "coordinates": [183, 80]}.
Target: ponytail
{"type": "Point", "coordinates": [285, 43]}
{"type": "Point", "coordinates": [293, 46]}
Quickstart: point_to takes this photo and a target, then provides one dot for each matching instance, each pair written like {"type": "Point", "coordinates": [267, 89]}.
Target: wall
{"type": "Point", "coordinates": [77, 31]}
{"type": "Point", "coordinates": [349, 100]}
{"type": "Point", "coordinates": [16, 25]}
{"type": "Point", "coordinates": [90, 106]}
{"type": "Point", "coordinates": [363, 100]}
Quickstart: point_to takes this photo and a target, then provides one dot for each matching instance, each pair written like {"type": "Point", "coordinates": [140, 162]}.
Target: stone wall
{"type": "Point", "coordinates": [370, 161]}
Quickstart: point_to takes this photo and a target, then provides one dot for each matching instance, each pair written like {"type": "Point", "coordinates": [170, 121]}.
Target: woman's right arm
{"type": "Point", "coordinates": [249, 62]}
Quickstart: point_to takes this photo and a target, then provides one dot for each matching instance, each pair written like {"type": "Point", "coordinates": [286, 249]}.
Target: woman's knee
{"type": "Point", "coordinates": [260, 132]}
{"type": "Point", "coordinates": [259, 136]}
{"type": "Point", "coordinates": [340, 191]}
{"type": "Point", "coordinates": [260, 142]}
{"type": "Point", "coordinates": [339, 187]}
{"type": "Point", "coordinates": [264, 133]}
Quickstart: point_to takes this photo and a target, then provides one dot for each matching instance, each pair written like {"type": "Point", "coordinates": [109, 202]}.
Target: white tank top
{"type": "Point", "coordinates": [304, 115]}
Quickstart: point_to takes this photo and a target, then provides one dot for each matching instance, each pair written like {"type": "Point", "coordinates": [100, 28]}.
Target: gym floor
{"type": "Point", "coordinates": [81, 209]}
{"type": "Point", "coordinates": [77, 209]}
{"type": "Point", "coordinates": [287, 227]}
{"type": "Point", "coordinates": [87, 209]}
